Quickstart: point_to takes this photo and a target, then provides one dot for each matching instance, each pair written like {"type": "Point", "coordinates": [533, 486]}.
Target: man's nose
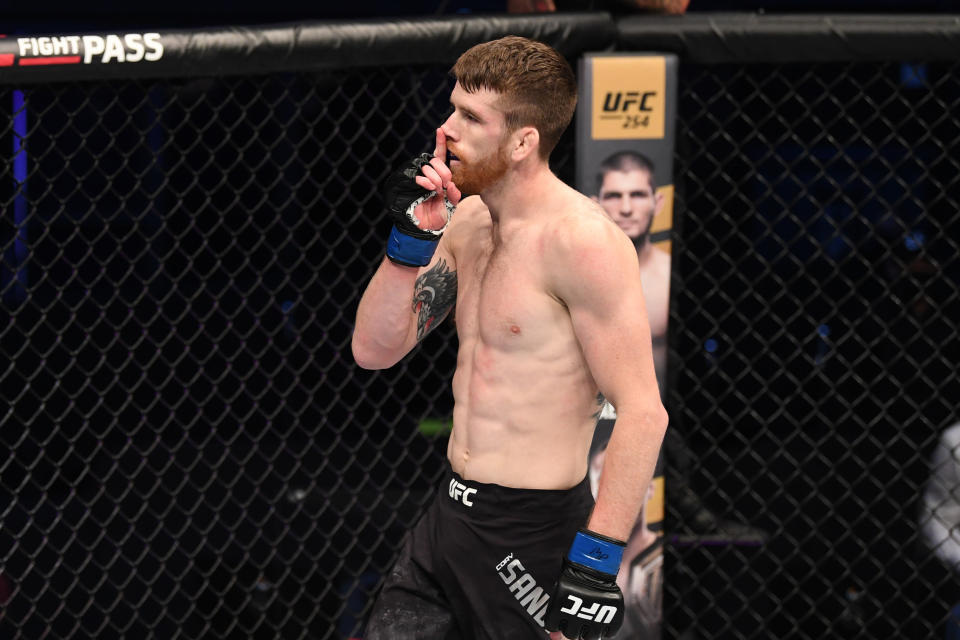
{"type": "Point", "coordinates": [625, 208]}
{"type": "Point", "coordinates": [447, 128]}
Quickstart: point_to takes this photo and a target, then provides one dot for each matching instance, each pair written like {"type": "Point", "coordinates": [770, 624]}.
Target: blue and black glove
{"type": "Point", "coordinates": [587, 603]}
{"type": "Point", "coordinates": [408, 244]}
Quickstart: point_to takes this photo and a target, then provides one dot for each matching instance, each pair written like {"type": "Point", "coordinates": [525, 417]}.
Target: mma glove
{"type": "Point", "coordinates": [587, 603]}
{"type": "Point", "coordinates": [408, 244]}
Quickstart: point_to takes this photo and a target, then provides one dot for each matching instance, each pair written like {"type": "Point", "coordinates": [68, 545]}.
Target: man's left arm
{"type": "Point", "coordinates": [598, 279]}
{"type": "Point", "coordinates": [604, 296]}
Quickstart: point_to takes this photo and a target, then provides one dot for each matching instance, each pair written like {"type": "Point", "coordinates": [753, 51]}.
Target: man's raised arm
{"type": "Point", "coordinates": [416, 284]}
{"type": "Point", "coordinates": [400, 306]}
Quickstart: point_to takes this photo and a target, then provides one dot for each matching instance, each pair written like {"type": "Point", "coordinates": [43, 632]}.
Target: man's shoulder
{"type": "Point", "coordinates": [583, 226]}
{"type": "Point", "coordinates": [586, 250]}
{"type": "Point", "coordinates": [470, 213]}
{"type": "Point", "coordinates": [470, 216]}
{"type": "Point", "coordinates": [472, 204]}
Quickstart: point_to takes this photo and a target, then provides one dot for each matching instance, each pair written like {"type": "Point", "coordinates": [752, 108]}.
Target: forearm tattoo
{"type": "Point", "coordinates": [434, 294]}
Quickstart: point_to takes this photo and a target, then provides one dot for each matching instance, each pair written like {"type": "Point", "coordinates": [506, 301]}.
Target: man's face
{"type": "Point", "coordinates": [627, 198]}
{"type": "Point", "coordinates": [476, 140]}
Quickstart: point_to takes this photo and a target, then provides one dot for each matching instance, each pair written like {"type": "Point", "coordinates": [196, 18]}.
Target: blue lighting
{"type": "Point", "coordinates": [913, 76]}
{"type": "Point", "coordinates": [914, 240]}
{"type": "Point", "coordinates": [823, 330]}
{"type": "Point", "coordinates": [19, 257]}
{"type": "Point", "coordinates": [710, 345]}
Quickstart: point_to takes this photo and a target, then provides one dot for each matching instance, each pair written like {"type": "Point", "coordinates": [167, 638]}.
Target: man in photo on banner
{"type": "Point", "coordinates": [550, 316]}
{"type": "Point", "coordinates": [626, 190]}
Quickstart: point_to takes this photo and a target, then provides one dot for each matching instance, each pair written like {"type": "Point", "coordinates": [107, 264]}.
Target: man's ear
{"type": "Point", "coordinates": [526, 141]}
{"type": "Point", "coordinates": [658, 200]}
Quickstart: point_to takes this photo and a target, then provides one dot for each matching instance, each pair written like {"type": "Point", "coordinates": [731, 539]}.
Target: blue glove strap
{"type": "Point", "coordinates": [595, 553]}
{"type": "Point", "coordinates": [409, 250]}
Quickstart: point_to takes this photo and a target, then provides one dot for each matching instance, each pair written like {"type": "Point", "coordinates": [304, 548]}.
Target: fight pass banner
{"type": "Point", "coordinates": [625, 141]}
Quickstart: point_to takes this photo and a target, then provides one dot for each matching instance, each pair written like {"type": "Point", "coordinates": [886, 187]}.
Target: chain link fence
{"type": "Point", "coordinates": [191, 452]}
{"type": "Point", "coordinates": [815, 346]}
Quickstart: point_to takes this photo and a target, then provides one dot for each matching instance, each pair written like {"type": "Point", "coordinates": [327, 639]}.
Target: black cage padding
{"type": "Point", "coordinates": [326, 45]}
{"type": "Point", "coordinates": [717, 38]}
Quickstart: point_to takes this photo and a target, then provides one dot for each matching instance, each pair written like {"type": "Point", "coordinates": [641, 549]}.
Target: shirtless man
{"type": "Point", "coordinates": [626, 191]}
{"type": "Point", "coordinates": [550, 315]}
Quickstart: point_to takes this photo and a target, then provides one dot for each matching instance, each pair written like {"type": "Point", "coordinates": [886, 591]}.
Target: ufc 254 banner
{"type": "Point", "coordinates": [625, 140]}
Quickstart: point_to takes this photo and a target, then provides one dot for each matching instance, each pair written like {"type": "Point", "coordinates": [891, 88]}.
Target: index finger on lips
{"type": "Point", "coordinates": [440, 149]}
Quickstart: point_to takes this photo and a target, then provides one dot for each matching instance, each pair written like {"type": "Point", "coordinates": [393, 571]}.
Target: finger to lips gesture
{"type": "Point", "coordinates": [437, 176]}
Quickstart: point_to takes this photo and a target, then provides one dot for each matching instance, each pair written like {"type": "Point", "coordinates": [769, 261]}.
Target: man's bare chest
{"type": "Point", "coordinates": [502, 299]}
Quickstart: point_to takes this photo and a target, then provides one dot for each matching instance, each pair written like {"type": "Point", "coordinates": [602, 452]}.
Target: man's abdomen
{"type": "Point", "coordinates": [521, 426]}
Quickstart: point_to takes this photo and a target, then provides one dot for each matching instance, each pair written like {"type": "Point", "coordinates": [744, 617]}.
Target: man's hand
{"type": "Point", "coordinates": [420, 198]}
{"type": "Point", "coordinates": [587, 603]}
{"type": "Point", "coordinates": [437, 177]}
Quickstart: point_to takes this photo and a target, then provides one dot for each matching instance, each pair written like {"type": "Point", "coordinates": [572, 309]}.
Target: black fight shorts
{"type": "Point", "coordinates": [480, 564]}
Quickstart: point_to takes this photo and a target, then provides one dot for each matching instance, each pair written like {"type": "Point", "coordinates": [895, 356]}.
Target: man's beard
{"type": "Point", "coordinates": [474, 177]}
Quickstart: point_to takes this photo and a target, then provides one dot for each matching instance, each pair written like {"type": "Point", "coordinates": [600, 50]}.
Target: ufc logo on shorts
{"type": "Point", "coordinates": [461, 493]}
{"type": "Point", "coordinates": [603, 616]}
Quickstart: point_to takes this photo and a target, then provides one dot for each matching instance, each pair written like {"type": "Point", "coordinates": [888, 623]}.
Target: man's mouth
{"type": "Point", "coordinates": [451, 157]}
